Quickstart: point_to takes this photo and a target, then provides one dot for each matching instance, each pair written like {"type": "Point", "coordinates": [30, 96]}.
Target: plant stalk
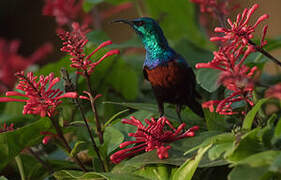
{"type": "Point", "coordinates": [43, 163]}
{"type": "Point", "coordinates": [66, 145]}
{"type": "Point", "coordinates": [20, 166]}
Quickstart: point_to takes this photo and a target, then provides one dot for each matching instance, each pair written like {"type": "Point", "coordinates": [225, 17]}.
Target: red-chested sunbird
{"type": "Point", "coordinates": [171, 78]}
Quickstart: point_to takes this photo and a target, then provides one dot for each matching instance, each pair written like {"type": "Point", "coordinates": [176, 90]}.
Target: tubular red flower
{"type": "Point", "coordinates": [153, 136]}
{"type": "Point", "coordinates": [229, 59]}
{"type": "Point", "coordinates": [5, 127]}
{"type": "Point", "coordinates": [240, 32]}
{"type": "Point", "coordinates": [74, 43]}
{"type": "Point", "coordinates": [39, 98]}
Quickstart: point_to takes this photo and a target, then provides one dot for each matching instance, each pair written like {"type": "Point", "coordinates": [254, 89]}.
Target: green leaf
{"type": "Point", "coordinates": [217, 139]}
{"type": "Point", "coordinates": [276, 164]}
{"type": "Point", "coordinates": [246, 145]}
{"type": "Point", "coordinates": [55, 67]}
{"type": "Point", "coordinates": [89, 4]}
{"type": "Point", "coordinates": [170, 113]}
{"type": "Point", "coordinates": [178, 21]}
{"type": "Point", "coordinates": [277, 131]}
{"type": "Point", "coordinates": [192, 53]}
{"type": "Point", "coordinates": [216, 151]}
{"type": "Point", "coordinates": [111, 119]}
{"type": "Point", "coordinates": [260, 159]}
{"type": "Point", "coordinates": [245, 172]}
{"type": "Point", "coordinates": [76, 148]}
{"type": "Point", "coordinates": [13, 142]}
{"type": "Point", "coordinates": [215, 121]}
{"type": "Point", "coordinates": [207, 78]}
{"type": "Point", "coordinates": [3, 178]}
{"type": "Point", "coordinates": [98, 37]}
{"type": "Point", "coordinates": [186, 171]}
{"type": "Point", "coordinates": [124, 80]}
{"type": "Point", "coordinates": [154, 172]}
{"type": "Point", "coordinates": [248, 121]}
{"type": "Point", "coordinates": [34, 169]}
{"type": "Point", "coordinates": [112, 139]}
{"type": "Point", "coordinates": [70, 174]}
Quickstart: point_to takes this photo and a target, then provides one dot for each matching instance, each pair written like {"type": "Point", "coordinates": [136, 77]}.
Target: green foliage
{"type": "Point", "coordinates": [62, 175]}
{"type": "Point", "coordinates": [248, 121]}
{"type": "Point", "coordinates": [246, 146]}
{"type": "Point", "coordinates": [187, 170]}
{"type": "Point", "coordinates": [182, 14]}
{"type": "Point", "coordinates": [13, 142]}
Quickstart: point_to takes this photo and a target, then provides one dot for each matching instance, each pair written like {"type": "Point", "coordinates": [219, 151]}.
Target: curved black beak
{"type": "Point", "coordinates": [126, 21]}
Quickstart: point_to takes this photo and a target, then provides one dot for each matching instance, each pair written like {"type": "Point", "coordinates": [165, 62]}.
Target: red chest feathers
{"type": "Point", "coordinates": [169, 75]}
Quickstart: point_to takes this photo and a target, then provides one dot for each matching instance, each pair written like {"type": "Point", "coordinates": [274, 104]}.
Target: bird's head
{"type": "Point", "coordinates": [145, 27]}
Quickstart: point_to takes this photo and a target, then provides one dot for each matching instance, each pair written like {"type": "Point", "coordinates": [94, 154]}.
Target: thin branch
{"type": "Point", "coordinates": [265, 53]}
{"type": "Point", "coordinates": [65, 143]}
{"type": "Point", "coordinates": [69, 86]}
{"type": "Point", "coordinates": [43, 163]}
{"type": "Point", "coordinates": [98, 123]}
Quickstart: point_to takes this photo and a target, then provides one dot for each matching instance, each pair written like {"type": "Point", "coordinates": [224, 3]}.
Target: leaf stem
{"type": "Point", "coordinates": [265, 53]}
{"type": "Point", "coordinates": [66, 145]}
{"type": "Point", "coordinates": [69, 86]}
{"type": "Point", "coordinates": [90, 133]}
{"type": "Point", "coordinates": [94, 109]}
{"type": "Point", "coordinates": [20, 166]}
{"type": "Point", "coordinates": [43, 163]}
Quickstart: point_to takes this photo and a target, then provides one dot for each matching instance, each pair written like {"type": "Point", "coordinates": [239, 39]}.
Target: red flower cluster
{"type": "Point", "coordinates": [235, 76]}
{"type": "Point", "coordinates": [274, 91]}
{"type": "Point", "coordinates": [212, 6]}
{"type": "Point", "coordinates": [74, 43]}
{"type": "Point", "coordinates": [11, 62]}
{"type": "Point", "coordinates": [240, 32]}
{"type": "Point", "coordinates": [40, 99]}
{"type": "Point", "coordinates": [65, 11]}
{"type": "Point", "coordinates": [153, 136]}
{"type": "Point", "coordinates": [5, 127]}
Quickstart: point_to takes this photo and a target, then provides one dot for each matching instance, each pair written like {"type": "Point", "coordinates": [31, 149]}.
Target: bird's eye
{"type": "Point", "coordinates": [139, 23]}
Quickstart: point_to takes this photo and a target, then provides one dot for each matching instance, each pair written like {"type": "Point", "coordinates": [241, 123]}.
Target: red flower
{"type": "Point", "coordinates": [74, 43]}
{"type": "Point", "coordinates": [11, 62]}
{"type": "Point", "coordinates": [235, 76]}
{"type": "Point", "coordinates": [48, 137]}
{"type": "Point", "coordinates": [40, 99]}
{"type": "Point", "coordinates": [240, 32]}
{"type": "Point", "coordinates": [153, 136]}
{"type": "Point", "coordinates": [5, 128]}
{"type": "Point", "coordinates": [212, 6]}
{"type": "Point", "coordinates": [274, 91]}
{"type": "Point", "coordinates": [65, 11]}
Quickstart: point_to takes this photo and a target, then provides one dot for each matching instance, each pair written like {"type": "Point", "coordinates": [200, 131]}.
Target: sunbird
{"type": "Point", "coordinates": [172, 79]}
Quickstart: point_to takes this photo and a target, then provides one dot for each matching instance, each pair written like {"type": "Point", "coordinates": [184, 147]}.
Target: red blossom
{"type": "Point", "coordinates": [65, 11]}
{"type": "Point", "coordinates": [235, 76]}
{"type": "Point", "coordinates": [74, 43]}
{"type": "Point", "coordinates": [48, 137]}
{"type": "Point", "coordinates": [11, 62]}
{"type": "Point", "coordinates": [229, 59]}
{"type": "Point", "coordinates": [153, 136]}
{"type": "Point", "coordinates": [38, 94]}
{"type": "Point", "coordinates": [213, 6]}
{"type": "Point", "coordinates": [274, 91]}
{"type": "Point", "coordinates": [240, 32]}
{"type": "Point", "coordinates": [5, 128]}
